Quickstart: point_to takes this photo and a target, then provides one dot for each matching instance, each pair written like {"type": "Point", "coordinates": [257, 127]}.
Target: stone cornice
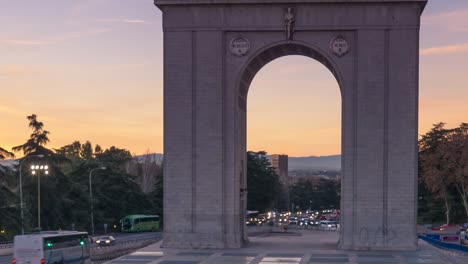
{"type": "Point", "coordinates": [228, 2]}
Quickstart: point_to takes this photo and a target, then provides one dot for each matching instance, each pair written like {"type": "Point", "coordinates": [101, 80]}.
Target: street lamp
{"type": "Point", "coordinates": [91, 196]}
{"type": "Point", "coordinates": [21, 189]}
{"type": "Point", "coordinates": [39, 168]}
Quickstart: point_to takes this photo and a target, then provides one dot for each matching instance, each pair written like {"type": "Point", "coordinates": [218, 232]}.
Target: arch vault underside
{"type": "Point", "coordinates": [212, 51]}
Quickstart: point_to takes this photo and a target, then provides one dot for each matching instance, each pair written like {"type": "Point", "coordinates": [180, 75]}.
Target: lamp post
{"type": "Point", "coordinates": [91, 197]}
{"type": "Point", "coordinates": [39, 168]}
{"type": "Point", "coordinates": [21, 190]}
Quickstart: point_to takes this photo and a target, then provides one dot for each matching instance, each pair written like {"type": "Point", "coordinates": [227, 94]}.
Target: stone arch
{"type": "Point", "coordinates": [205, 87]}
{"type": "Point", "coordinates": [247, 72]}
{"type": "Point", "coordinates": [281, 49]}
{"type": "Point", "coordinates": [276, 50]}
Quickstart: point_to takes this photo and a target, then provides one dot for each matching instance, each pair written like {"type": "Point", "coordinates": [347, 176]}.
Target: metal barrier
{"type": "Point", "coordinates": [6, 248]}
{"type": "Point", "coordinates": [6, 244]}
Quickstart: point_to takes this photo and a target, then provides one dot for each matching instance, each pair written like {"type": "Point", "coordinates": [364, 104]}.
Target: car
{"type": "Point", "coordinates": [462, 230]}
{"type": "Point", "coordinates": [293, 220]}
{"type": "Point", "coordinates": [314, 224]}
{"type": "Point", "coordinates": [303, 221]}
{"type": "Point", "coordinates": [328, 225]}
{"type": "Point", "coordinates": [463, 235]}
{"type": "Point", "coordinates": [105, 241]}
{"type": "Point", "coordinates": [262, 219]}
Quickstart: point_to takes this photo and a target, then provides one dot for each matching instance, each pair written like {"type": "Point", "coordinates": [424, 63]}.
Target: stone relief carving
{"type": "Point", "coordinates": [239, 46]}
{"type": "Point", "coordinates": [339, 46]}
{"type": "Point", "coordinates": [290, 20]}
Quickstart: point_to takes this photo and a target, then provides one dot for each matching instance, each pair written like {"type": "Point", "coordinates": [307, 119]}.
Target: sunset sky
{"type": "Point", "coordinates": [92, 70]}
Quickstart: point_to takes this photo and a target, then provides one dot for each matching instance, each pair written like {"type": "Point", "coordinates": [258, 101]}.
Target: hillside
{"type": "Point", "coordinates": [315, 163]}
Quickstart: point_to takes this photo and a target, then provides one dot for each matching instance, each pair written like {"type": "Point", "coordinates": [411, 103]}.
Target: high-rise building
{"type": "Point", "coordinates": [280, 163]}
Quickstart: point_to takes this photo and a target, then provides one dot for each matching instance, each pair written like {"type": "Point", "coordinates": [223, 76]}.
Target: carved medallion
{"type": "Point", "coordinates": [239, 46]}
{"type": "Point", "coordinates": [339, 46]}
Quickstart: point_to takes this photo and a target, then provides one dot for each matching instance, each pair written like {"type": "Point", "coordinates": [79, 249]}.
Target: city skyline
{"type": "Point", "coordinates": [92, 70]}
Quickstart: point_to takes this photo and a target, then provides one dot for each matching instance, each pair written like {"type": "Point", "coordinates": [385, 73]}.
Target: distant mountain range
{"type": "Point", "coordinates": [315, 163]}
{"type": "Point", "coordinates": [294, 163]}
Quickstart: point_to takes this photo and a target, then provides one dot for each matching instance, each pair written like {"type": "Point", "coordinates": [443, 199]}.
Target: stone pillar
{"type": "Point", "coordinates": [196, 211]}
{"type": "Point", "coordinates": [379, 193]}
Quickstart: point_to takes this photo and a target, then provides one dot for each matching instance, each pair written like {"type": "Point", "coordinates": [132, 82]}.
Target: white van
{"type": "Point", "coordinates": [328, 225]}
{"type": "Point", "coordinates": [52, 247]}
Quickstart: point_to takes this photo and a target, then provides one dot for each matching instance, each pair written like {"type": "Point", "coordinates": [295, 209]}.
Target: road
{"type": "Point", "coordinates": [123, 237]}
{"type": "Point", "coordinates": [119, 237]}
{"type": "Point", "coordinates": [5, 259]}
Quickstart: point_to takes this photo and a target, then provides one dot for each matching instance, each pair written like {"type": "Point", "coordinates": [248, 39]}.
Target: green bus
{"type": "Point", "coordinates": [139, 223]}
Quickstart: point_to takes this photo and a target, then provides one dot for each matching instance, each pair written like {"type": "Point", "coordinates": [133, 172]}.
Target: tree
{"type": "Point", "coordinates": [157, 195]}
{"type": "Point", "coordinates": [315, 193]}
{"type": "Point", "coordinates": [435, 171]}
{"type": "Point", "coordinates": [454, 149]}
{"type": "Point", "coordinates": [262, 182]}
{"type": "Point", "coordinates": [5, 154]}
{"type": "Point", "coordinates": [53, 186]}
{"type": "Point", "coordinates": [147, 169]}
{"type": "Point", "coordinates": [87, 151]}
{"type": "Point", "coordinates": [114, 157]}
{"type": "Point", "coordinates": [304, 194]}
{"type": "Point", "coordinates": [9, 209]}
{"type": "Point", "coordinates": [38, 139]}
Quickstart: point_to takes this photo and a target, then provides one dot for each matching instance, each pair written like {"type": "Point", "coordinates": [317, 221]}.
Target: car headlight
{"type": "Point", "coordinates": [107, 241]}
{"type": "Point", "coordinates": [98, 241]}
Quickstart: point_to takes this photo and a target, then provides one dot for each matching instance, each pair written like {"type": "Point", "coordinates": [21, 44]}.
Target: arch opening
{"type": "Point", "coordinates": [275, 51]}
{"type": "Point", "coordinates": [255, 69]}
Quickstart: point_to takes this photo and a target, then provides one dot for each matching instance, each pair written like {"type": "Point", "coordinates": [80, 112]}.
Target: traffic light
{"type": "Point", "coordinates": [49, 244]}
{"type": "Point", "coordinates": [82, 242]}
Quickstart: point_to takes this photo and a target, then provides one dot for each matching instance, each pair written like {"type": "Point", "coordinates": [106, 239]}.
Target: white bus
{"type": "Point", "coordinates": [52, 247]}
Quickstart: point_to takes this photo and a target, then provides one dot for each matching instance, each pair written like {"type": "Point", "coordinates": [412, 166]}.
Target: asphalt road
{"type": "Point", "coordinates": [119, 237]}
{"type": "Point", "coordinates": [123, 237]}
{"type": "Point", "coordinates": [5, 259]}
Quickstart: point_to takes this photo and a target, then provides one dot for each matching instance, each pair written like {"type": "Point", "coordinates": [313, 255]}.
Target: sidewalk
{"type": "Point", "coordinates": [306, 247]}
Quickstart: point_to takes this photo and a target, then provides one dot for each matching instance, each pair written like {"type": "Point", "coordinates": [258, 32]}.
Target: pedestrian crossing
{"type": "Point", "coordinates": [208, 257]}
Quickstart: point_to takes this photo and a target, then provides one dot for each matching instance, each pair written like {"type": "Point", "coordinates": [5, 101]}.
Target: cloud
{"type": "Point", "coordinates": [123, 66]}
{"type": "Point", "coordinates": [24, 42]}
{"type": "Point", "coordinates": [452, 20]}
{"type": "Point", "coordinates": [80, 34]}
{"type": "Point", "coordinates": [449, 49]}
{"type": "Point", "coordinates": [54, 39]}
{"type": "Point", "coordinates": [122, 20]}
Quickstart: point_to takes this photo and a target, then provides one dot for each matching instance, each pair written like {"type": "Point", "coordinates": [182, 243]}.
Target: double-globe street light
{"type": "Point", "coordinates": [21, 189]}
{"type": "Point", "coordinates": [91, 197]}
{"type": "Point", "coordinates": [38, 169]}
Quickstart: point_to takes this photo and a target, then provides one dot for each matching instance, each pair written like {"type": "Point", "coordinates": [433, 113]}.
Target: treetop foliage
{"type": "Point", "coordinates": [65, 196]}
{"type": "Point", "coordinates": [443, 160]}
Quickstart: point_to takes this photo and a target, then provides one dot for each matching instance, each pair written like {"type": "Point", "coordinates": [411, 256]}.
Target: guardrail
{"type": "Point", "coordinates": [6, 244]}
{"type": "Point", "coordinates": [6, 248]}
{"type": "Point", "coordinates": [101, 254]}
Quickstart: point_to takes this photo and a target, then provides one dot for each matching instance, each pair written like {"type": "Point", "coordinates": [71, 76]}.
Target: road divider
{"type": "Point", "coordinates": [6, 248]}
{"type": "Point", "coordinates": [102, 254]}
{"type": "Point", "coordinates": [444, 245]}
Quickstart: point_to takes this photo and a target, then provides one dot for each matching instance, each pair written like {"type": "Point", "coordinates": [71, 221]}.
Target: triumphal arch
{"type": "Point", "coordinates": [212, 51]}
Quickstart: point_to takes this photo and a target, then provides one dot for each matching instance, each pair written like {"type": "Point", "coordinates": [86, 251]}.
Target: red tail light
{"type": "Point", "coordinates": [13, 261]}
{"type": "Point", "coordinates": [42, 261]}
